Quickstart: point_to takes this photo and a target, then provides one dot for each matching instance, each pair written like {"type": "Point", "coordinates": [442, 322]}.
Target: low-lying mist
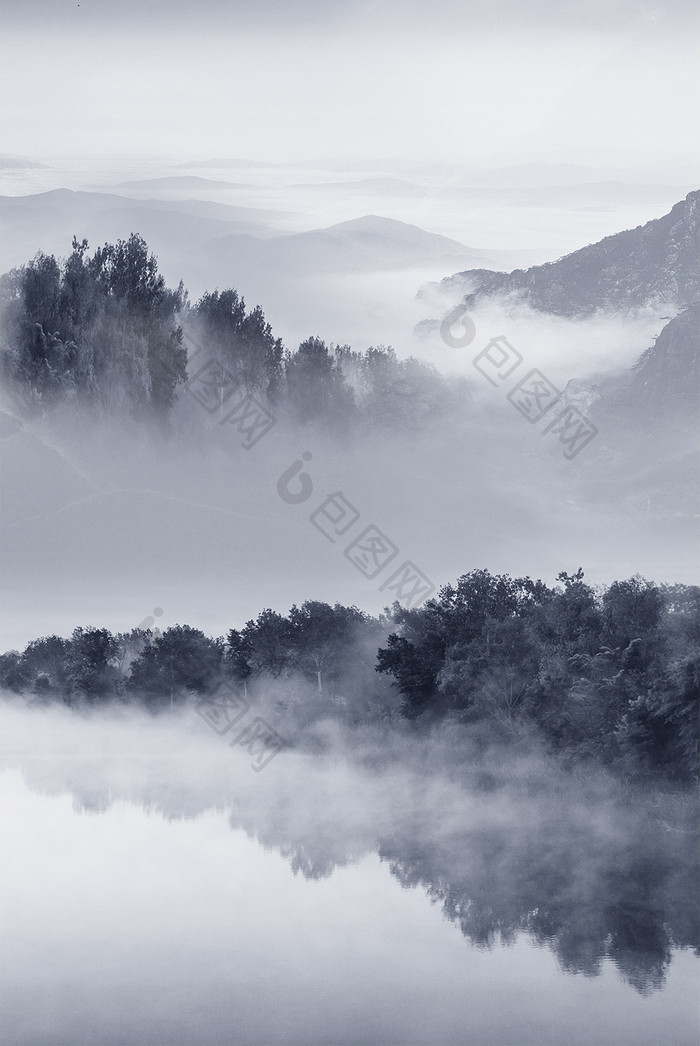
{"type": "Point", "coordinates": [103, 522]}
{"type": "Point", "coordinates": [504, 839]}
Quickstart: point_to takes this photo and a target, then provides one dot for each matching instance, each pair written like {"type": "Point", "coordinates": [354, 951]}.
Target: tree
{"type": "Point", "coordinates": [89, 663]}
{"type": "Point", "coordinates": [572, 618]}
{"type": "Point", "coordinates": [631, 609]}
{"type": "Point", "coordinates": [415, 670]}
{"type": "Point", "coordinates": [316, 387]}
{"type": "Point", "coordinates": [393, 392]}
{"type": "Point", "coordinates": [250, 356]}
{"type": "Point", "coordinates": [238, 657]}
{"type": "Point", "coordinates": [46, 657]}
{"type": "Point", "coordinates": [13, 673]}
{"type": "Point", "coordinates": [35, 353]}
{"type": "Point", "coordinates": [182, 660]}
{"type": "Point", "coordinates": [138, 302]}
{"type": "Point", "coordinates": [268, 640]}
{"type": "Point", "coordinates": [321, 637]}
{"type": "Point", "coordinates": [101, 328]}
{"type": "Point", "coordinates": [443, 647]}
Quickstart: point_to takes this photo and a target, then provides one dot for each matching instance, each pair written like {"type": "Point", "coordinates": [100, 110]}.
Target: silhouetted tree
{"type": "Point", "coordinates": [180, 661]}
{"type": "Point", "coordinates": [316, 387]}
{"type": "Point", "coordinates": [251, 357]}
{"type": "Point", "coordinates": [90, 668]}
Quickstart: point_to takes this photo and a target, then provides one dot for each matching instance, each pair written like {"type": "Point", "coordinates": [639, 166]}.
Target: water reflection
{"type": "Point", "coordinates": [590, 871]}
{"type": "Point", "coordinates": [632, 902]}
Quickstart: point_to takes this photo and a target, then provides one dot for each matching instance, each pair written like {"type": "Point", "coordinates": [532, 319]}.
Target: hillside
{"type": "Point", "coordinates": [366, 244]}
{"type": "Point", "coordinates": [48, 221]}
{"type": "Point", "coordinates": [652, 266]}
{"type": "Point", "coordinates": [666, 381]}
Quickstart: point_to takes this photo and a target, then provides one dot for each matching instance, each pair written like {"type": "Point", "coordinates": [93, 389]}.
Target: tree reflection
{"type": "Point", "coordinates": [587, 897]}
{"type": "Point", "coordinates": [593, 870]}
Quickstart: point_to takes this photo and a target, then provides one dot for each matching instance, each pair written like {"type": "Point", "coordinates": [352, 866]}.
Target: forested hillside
{"type": "Point", "coordinates": [104, 331]}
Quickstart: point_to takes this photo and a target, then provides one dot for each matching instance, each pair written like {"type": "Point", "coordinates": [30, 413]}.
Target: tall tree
{"type": "Point", "coordinates": [322, 636]}
{"type": "Point", "coordinates": [316, 387]}
{"type": "Point", "coordinates": [180, 661]}
{"type": "Point", "coordinates": [250, 356]}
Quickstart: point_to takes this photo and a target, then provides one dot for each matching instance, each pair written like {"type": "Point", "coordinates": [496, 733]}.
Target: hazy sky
{"type": "Point", "coordinates": [449, 81]}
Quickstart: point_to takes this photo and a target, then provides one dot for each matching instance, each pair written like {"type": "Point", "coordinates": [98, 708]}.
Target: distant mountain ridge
{"type": "Point", "coordinates": [369, 243]}
{"type": "Point", "coordinates": [9, 162]}
{"type": "Point", "coordinates": [654, 265]}
{"type": "Point", "coordinates": [173, 181]}
{"type": "Point", "coordinates": [222, 162]}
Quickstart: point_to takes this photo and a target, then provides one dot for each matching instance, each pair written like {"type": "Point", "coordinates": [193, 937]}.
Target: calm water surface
{"type": "Point", "coordinates": [134, 921]}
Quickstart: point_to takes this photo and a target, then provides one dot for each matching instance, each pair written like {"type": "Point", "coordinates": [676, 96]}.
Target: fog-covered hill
{"type": "Point", "coordinates": [367, 244]}
{"type": "Point", "coordinates": [174, 183]}
{"type": "Point", "coordinates": [48, 221]}
{"type": "Point", "coordinates": [20, 163]}
{"type": "Point", "coordinates": [653, 266]}
{"type": "Point", "coordinates": [224, 163]}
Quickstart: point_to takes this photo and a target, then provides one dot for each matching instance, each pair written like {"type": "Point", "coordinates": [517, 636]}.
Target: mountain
{"type": "Point", "coordinates": [222, 163]}
{"type": "Point", "coordinates": [654, 265]}
{"type": "Point", "coordinates": [178, 181]}
{"type": "Point", "coordinates": [205, 243]}
{"type": "Point", "coordinates": [368, 244]}
{"type": "Point", "coordinates": [392, 187]}
{"type": "Point", "coordinates": [666, 380]}
{"type": "Point", "coordinates": [173, 228]}
{"type": "Point", "coordinates": [20, 163]}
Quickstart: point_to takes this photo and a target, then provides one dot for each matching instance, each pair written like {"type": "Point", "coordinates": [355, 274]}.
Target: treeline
{"type": "Point", "coordinates": [104, 330]}
{"type": "Point", "coordinates": [611, 676]}
{"type": "Point", "coordinates": [317, 644]}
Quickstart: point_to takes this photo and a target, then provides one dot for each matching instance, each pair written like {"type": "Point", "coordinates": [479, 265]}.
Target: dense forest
{"type": "Point", "coordinates": [103, 330]}
{"type": "Point", "coordinates": [607, 676]}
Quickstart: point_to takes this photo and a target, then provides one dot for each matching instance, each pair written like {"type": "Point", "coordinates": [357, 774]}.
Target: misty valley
{"type": "Point", "coordinates": [349, 691]}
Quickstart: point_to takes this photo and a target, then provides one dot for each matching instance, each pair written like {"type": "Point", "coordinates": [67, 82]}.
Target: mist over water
{"type": "Point", "coordinates": [468, 875]}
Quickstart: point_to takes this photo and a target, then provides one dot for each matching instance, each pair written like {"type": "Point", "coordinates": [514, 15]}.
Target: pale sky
{"type": "Point", "coordinates": [448, 81]}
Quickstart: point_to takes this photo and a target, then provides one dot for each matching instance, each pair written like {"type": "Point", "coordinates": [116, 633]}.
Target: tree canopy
{"type": "Point", "coordinates": [611, 676]}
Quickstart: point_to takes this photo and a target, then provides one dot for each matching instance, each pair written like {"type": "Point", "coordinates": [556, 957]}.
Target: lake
{"type": "Point", "coordinates": [157, 890]}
